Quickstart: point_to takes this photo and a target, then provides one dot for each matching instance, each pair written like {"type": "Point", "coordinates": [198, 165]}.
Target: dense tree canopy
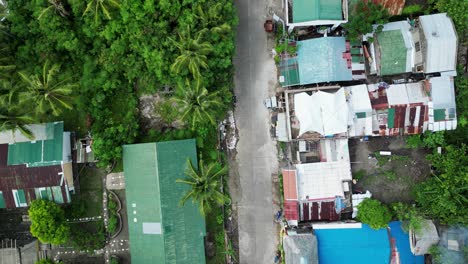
{"type": "Point", "coordinates": [48, 222]}
{"type": "Point", "coordinates": [363, 17]}
{"type": "Point", "coordinates": [113, 51]}
{"type": "Point", "coordinates": [374, 213]}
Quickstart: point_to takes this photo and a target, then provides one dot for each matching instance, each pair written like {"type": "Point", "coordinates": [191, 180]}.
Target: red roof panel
{"type": "Point", "coordinates": [289, 184]}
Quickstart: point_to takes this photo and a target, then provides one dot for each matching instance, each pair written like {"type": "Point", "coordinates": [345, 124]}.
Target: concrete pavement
{"type": "Point", "coordinates": [256, 159]}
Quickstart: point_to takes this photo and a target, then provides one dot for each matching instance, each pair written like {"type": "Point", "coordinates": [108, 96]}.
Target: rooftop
{"type": "Point", "coordinates": [36, 153]}
{"type": "Point", "coordinates": [441, 39]}
{"type": "Point", "coordinates": [318, 60]}
{"type": "Point", "coordinates": [393, 52]}
{"type": "Point", "coordinates": [357, 245]}
{"type": "Point", "coordinates": [162, 231]}
{"type": "Point", "coordinates": [309, 10]}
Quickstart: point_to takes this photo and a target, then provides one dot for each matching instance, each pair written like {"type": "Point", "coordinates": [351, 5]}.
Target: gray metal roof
{"type": "Point", "coordinates": [300, 249]}
{"type": "Point", "coordinates": [441, 38]}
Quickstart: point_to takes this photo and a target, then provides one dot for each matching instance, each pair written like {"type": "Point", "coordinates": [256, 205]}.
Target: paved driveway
{"type": "Point", "coordinates": [256, 152]}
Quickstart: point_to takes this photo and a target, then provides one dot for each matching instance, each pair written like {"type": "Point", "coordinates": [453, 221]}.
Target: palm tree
{"type": "Point", "coordinates": [57, 6]}
{"type": "Point", "coordinates": [46, 92]}
{"type": "Point", "coordinates": [193, 52]}
{"type": "Point", "coordinates": [8, 91]}
{"type": "Point", "coordinates": [198, 106]}
{"type": "Point", "coordinates": [12, 118]}
{"type": "Point", "coordinates": [205, 186]}
{"type": "Point", "coordinates": [212, 17]}
{"type": "Point", "coordinates": [101, 5]}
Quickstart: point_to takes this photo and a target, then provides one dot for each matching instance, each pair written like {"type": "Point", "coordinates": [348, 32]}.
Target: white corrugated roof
{"type": "Point", "coordinates": [322, 179]}
{"type": "Point", "coordinates": [406, 93]}
{"type": "Point", "coordinates": [324, 113]}
{"type": "Point", "coordinates": [442, 92]}
{"type": "Point", "coordinates": [360, 98]}
{"type": "Point", "coordinates": [281, 128]}
{"type": "Point", "coordinates": [441, 38]}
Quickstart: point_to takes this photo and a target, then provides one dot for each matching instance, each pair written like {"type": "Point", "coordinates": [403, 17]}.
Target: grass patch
{"type": "Point", "coordinates": [381, 160]}
{"type": "Point", "coordinates": [358, 175]}
{"type": "Point", "coordinates": [216, 229]}
{"type": "Point", "coordinates": [390, 175]}
{"type": "Point", "coordinates": [118, 166]}
{"type": "Point", "coordinates": [91, 191]}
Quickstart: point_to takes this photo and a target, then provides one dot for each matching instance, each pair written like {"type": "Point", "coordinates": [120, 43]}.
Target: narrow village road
{"type": "Point", "coordinates": [256, 152]}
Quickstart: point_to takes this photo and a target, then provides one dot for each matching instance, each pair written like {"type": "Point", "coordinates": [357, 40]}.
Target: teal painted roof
{"type": "Point", "coordinates": [39, 153]}
{"type": "Point", "coordinates": [321, 60]}
{"type": "Point", "coordinates": [160, 230]}
{"type": "Point", "coordinates": [392, 52]}
{"type": "Point", "coordinates": [310, 10]}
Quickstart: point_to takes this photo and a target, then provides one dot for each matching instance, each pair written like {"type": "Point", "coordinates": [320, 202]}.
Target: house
{"type": "Point", "coordinates": [305, 13]}
{"type": "Point", "coordinates": [160, 230]}
{"type": "Point", "coordinates": [427, 45]}
{"type": "Point", "coordinates": [319, 191]}
{"type": "Point", "coordinates": [39, 168]}
{"type": "Point", "coordinates": [322, 60]}
{"type": "Point", "coordinates": [421, 242]}
{"type": "Point", "coordinates": [353, 243]}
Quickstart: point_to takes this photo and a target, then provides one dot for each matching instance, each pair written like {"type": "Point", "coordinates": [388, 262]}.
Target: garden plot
{"type": "Point", "coordinates": [388, 178]}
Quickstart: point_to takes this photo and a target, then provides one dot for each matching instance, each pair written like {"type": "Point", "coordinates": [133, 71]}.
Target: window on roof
{"type": "Point", "coordinates": [418, 46]}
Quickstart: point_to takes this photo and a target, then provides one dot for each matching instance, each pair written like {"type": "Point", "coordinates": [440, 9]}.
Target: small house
{"type": "Point", "coordinates": [35, 168]}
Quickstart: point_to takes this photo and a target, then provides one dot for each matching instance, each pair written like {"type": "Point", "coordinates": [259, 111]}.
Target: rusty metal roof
{"type": "Point", "coordinates": [289, 184]}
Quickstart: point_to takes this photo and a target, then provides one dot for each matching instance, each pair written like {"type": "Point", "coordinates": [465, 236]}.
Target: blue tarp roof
{"type": "Point", "coordinates": [321, 60]}
{"type": "Point", "coordinates": [353, 245]}
{"type": "Point", "coordinates": [403, 245]}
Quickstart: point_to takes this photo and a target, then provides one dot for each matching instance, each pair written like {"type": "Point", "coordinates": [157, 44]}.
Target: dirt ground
{"type": "Point", "coordinates": [388, 178]}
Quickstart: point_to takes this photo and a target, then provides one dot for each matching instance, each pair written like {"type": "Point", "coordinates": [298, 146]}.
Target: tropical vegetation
{"type": "Point", "coordinates": [48, 222]}
{"type": "Point", "coordinates": [205, 186]}
{"type": "Point", "coordinates": [362, 19]}
{"type": "Point", "coordinates": [374, 213]}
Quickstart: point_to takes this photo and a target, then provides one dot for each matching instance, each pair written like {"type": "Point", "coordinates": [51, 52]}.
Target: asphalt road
{"type": "Point", "coordinates": [256, 152]}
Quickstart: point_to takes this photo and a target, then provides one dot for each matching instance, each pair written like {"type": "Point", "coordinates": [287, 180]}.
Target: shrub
{"type": "Point", "coordinates": [412, 9]}
{"type": "Point", "coordinates": [374, 213]}
{"type": "Point", "coordinates": [112, 225]}
{"type": "Point", "coordinates": [409, 215]}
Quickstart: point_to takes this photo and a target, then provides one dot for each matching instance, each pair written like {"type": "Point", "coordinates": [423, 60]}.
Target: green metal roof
{"type": "Point", "coordinates": [2, 201]}
{"type": "Point", "coordinates": [310, 10]}
{"type": "Point", "coordinates": [160, 230]}
{"type": "Point", "coordinates": [392, 52]}
{"type": "Point", "coordinates": [39, 153]}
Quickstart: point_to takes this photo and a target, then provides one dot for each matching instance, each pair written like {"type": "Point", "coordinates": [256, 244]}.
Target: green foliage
{"type": "Point", "coordinates": [414, 141]}
{"type": "Point", "coordinates": [461, 88]}
{"type": "Point", "coordinates": [442, 195]}
{"type": "Point", "coordinates": [442, 255]}
{"type": "Point", "coordinates": [374, 213]}
{"type": "Point", "coordinates": [115, 51]}
{"type": "Point", "coordinates": [47, 261]}
{"type": "Point", "coordinates": [48, 222]}
{"type": "Point", "coordinates": [362, 19]}
{"type": "Point", "coordinates": [381, 160]}
{"type": "Point", "coordinates": [434, 139]}
{"type": "Point", "coordinates": [88, 236]}
{"type": "Point", "coordinates": [112, 224]}
{"type": "Point", "coordinates": [114, 260]}
{"type": "Point", "coordinates": [409, 215]}
{"type": "Point", "coordinates": [412, 9]}
{"type": "Point", "coordinates": [390, 175]}
{"type": "Point", "coordinates": [457, 10]}
{"type": "Point", "coordinates": [205, 186]}
{"type": "Point", "coordinates": [358, 175]}
{"type": "Point", "coordinates": [198, 107]}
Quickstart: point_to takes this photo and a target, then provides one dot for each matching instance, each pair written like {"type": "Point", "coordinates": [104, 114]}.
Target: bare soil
{"type": "Point", "coordinates": [389, 178]}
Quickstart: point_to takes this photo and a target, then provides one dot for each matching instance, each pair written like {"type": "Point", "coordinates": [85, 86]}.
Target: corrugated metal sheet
{"type": "Point", "coordinates": [310, 10]}
{"type": "Point", "coordinates": [392, 52]}
{"type": "Point", "coordinates": [322, 180]}
{"type": "Point", "coordinates": [321, 60]}
{"type": "Point", "coordinates": [27, 178]}
{"type": "Point", "coordinates": [441, 39]}
{"type": "Point", "coordinates": [291, 211]}
{"type": "Point", "coordinates": [300, 249]}
{"type": "Point", "coordinates": [153, 196]}
{"type": "Point", "coordinates": [318, 211]}
{"type": "Point", "coordinates": [289, 184]}
{"type": "Point", "coordinates": [39, 153]}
